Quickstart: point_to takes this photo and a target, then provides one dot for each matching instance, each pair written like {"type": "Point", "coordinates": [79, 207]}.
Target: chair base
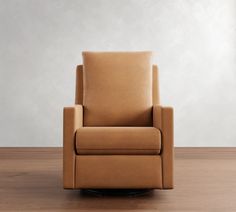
{"type": "Point", "coordinates": [116, 192]}
{"type": "Point", "coordinates": [118, 171]}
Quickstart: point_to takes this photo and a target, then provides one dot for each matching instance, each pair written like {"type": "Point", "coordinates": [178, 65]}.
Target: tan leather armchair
{"type": "Point", "coordinates": [117, 135]}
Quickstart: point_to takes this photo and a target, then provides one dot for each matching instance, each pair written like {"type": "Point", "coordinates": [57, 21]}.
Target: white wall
{"type": "Point", "coordinates": [41, 44]}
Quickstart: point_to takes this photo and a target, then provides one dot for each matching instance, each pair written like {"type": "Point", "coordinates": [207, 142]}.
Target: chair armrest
{"type": "Point", "coordinates": [163, 119]}
{"type": "Point", "coordinates": [72, 120]}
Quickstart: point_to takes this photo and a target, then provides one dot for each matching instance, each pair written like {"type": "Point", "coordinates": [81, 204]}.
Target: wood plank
{"type": "Point", "coordinates": [31, 179]}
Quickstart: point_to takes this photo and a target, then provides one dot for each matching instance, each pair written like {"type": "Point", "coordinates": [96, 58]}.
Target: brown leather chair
{"type": "Point", "coordinates": [117, 135]}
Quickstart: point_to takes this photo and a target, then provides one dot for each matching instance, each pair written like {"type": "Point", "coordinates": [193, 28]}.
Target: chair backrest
{"type": "Point", "coordinates": [117, 88]}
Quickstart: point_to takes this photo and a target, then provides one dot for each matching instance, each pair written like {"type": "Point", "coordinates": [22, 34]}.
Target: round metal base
{"type": "Point", "coordinates": [116, 192]}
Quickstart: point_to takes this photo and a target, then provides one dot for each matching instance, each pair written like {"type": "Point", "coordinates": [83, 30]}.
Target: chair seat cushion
{"type": "Point", "coordinates": [118, 141]}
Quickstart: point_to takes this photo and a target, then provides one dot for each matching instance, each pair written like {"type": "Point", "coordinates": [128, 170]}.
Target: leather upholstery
{"type": "Point", "coordinates": [163, 120]}
{"type": "Point", "coordinates": [118, 171]}
{"type": "Point", "coordinates": [72, 120]}
{"type": "Point", "coordinates": [117, 89]}
{"type": "Point", "coordinates": [79, 90]}
{"type": "Point", "coordinates": [117, 98]}
{"type": "Point", "coordinates": [118, 141]}
{"type": "Point", "coordinates": [79, 85]}
{"type": "Point", "coordinates": [155, 86]}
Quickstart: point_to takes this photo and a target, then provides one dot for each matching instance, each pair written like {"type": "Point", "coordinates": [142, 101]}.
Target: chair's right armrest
{"type": "Point", "coordinates": [163, 119]}
{"type": "Point", "coordinates": [72, 120]}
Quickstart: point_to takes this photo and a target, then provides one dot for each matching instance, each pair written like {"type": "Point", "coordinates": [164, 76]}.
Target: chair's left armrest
{"type": "Point", "coordinates": [72, 120]}
{"type": "Point", "coordinates": [163, 119]}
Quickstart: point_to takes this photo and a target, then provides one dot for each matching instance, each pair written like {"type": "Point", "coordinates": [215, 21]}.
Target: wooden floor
{"type": "Point", "coordinates": [31, 180]}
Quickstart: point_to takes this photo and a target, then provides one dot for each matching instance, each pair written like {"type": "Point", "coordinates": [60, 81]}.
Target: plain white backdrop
{"type": "Point", "coordinates": [41, 44]}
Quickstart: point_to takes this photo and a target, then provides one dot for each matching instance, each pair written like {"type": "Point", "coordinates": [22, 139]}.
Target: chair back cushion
{"type": "Point", "coordinates": [117, 88]}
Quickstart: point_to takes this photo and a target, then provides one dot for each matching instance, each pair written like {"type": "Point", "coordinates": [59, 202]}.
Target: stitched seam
{"type": "Point", "coordinates": [121, 149]}
{"type": "Point", "coordinates": [162, 140]}
{"type": "Point", "coordinates": [74, 158]}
